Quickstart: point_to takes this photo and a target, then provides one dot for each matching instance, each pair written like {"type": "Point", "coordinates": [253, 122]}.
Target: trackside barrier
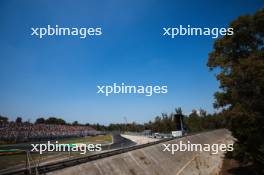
{"type": "Point", "coordinates": [76, 161]}
{"type": "Point", "coordinates": [42, 169]}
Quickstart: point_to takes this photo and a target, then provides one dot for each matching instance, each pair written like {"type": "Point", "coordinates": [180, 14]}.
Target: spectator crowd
{"type": "Point", "coordinates": [11, 132]}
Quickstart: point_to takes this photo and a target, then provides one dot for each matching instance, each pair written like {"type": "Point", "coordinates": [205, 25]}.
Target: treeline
{"type": "Point", "coordinates": [41, 120]}
{"type": "Point", "coordinates": [197, 120]}
{"type": "Point", "coordinates": [50, 120]}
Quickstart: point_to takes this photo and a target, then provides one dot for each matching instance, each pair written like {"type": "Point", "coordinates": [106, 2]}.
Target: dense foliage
{"type": "Point", "coordinates": [240, 59]}
{"type": "Point", "coordinates": [197, 120]}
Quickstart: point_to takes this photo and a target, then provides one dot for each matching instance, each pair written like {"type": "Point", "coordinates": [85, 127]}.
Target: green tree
{"type": "Point", "coordinates": [56, 121]}
{"type": "Point", "coordinates": [178, 110]}
{"type": "Point", "coordinates": [240, 58]}
{"type": "Point", "coordinates": [3, 119]}
{"type": "Point", "coordinates": [19, 120]}
{"type": "Point", "coordinates": [40, 120]}
{"type": "Point", "coordinates": [75, 123]}
{"type": "Point", "coordinates": [194, 122]}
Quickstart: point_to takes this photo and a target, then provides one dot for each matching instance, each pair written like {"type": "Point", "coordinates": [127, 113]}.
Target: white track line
{"type": "Point", "coordinates": [181, 170]}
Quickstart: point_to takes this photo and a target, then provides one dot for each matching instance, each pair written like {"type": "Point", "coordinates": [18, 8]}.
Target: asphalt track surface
{"type": "Point", "coordinates": [118, 142]}
{"type": "Point", "coordinates": [202, 137]}
{"type": "Point", "coordinates": [121, 142]}
{"type": "Point", "coordinates": [120, 146]}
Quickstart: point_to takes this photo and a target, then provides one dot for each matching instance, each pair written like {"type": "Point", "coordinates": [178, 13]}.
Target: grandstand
{"type": "Point", "coordinates": [11, 132]}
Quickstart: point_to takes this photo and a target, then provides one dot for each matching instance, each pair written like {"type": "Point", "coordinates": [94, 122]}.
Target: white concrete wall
{"type": "Point", "coordinates": [153, 161]}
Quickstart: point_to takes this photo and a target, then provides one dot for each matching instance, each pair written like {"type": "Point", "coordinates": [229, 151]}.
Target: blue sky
{"type": "Point", "coordinates": [57, 76]}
